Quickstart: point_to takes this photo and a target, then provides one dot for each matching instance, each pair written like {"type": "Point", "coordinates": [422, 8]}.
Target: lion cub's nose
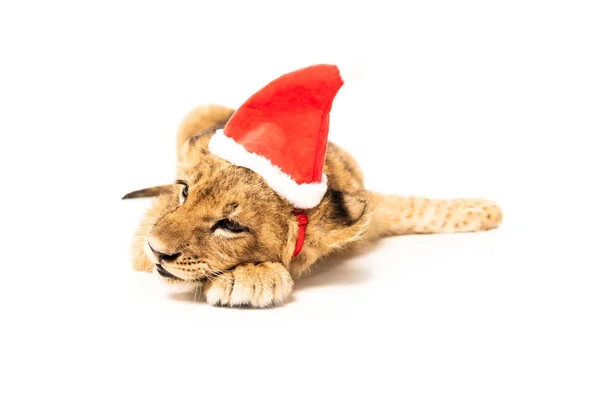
{"type": "Point", "coordinates": [164, 256]}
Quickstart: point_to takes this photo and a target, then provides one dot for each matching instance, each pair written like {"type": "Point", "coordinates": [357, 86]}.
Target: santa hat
{"type": "Point", "coordinates": [281, 132]}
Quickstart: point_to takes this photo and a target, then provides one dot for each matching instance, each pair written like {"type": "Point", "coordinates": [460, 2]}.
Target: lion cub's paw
{"type": "Point", "coordinates": [259, 285]}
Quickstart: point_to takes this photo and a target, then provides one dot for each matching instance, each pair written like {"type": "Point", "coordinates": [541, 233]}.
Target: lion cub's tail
{"type": "Point", "coordinates": [148, 192]}
{"type": "Point", "coordinates": [398, 215]}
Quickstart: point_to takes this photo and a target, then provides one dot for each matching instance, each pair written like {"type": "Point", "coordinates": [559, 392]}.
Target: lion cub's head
{"type": "Point", "coordinates": [218, 216]}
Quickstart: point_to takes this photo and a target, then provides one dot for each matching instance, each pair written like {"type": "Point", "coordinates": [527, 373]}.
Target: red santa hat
{"type": "Point", "coordinates": [281, 132]}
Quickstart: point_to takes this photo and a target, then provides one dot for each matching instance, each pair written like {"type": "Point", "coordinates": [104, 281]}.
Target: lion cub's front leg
{"type": "Point", "coordinates": [258, 285]}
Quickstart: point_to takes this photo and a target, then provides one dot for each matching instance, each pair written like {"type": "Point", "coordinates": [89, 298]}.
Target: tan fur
{"type": "Point", "coordinates": [256, 268]}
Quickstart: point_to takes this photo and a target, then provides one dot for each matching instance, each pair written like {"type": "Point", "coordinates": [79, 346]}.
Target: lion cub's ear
{"type": "Point", "coordinates": [346, 208]}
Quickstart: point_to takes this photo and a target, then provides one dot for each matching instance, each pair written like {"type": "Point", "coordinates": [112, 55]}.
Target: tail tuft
{"type": "Point", "coordinates": [148, 192]}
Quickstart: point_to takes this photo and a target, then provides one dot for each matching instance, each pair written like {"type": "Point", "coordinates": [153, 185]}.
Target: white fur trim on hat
{"type": "Point", "coordinates": [301, 195]}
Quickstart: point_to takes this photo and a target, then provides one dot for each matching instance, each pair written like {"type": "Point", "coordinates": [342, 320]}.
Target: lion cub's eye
{"type": "Point", "coordinates": [183, 194]}
{"type": "Point", "coordinates": [229, 226]}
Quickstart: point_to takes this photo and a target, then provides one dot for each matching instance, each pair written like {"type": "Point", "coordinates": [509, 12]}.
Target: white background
{"type": "Point", "coordinates": [463, 98]}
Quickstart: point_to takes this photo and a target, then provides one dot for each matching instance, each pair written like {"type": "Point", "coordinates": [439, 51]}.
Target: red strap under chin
{"type": "Point", "coordinates": [302, 222]}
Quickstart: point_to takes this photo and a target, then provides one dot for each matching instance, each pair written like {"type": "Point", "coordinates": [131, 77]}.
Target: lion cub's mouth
{"type": "Point", "coordinates": [166, 274]}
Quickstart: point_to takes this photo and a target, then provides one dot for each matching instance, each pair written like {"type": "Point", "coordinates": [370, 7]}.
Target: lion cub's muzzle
{"type": "Point", "coordinates": [174, 265]}
{"type": "Point", "coordinates": [163, 256]}
{"type": "Point", "coordinates": [165, 274]}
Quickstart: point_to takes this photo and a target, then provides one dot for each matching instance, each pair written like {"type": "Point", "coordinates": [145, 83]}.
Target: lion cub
{"type": "Point", "coordinates": [220, 228]}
